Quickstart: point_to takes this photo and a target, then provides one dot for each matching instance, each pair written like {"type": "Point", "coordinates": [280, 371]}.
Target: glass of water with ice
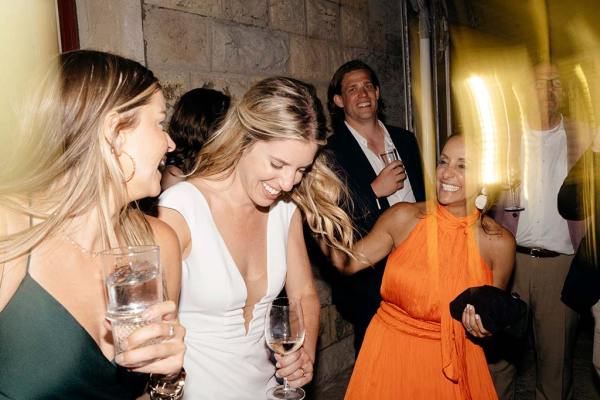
{"type": "Point", "coordinates": [133, 282]}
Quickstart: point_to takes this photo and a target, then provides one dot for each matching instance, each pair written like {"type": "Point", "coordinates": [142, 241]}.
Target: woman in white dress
{"type": "Point", "coordinates": [239, 222]}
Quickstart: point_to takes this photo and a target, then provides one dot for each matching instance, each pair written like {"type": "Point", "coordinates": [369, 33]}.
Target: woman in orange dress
{"type": "Point", "coordinates": [413, 349]}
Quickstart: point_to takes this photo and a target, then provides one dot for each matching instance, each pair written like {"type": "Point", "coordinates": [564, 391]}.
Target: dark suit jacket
{"type": "Point", "coordinates": [357, 297]}
{"type": "Point", "coordinates": [579, 198]}
{"type": "Point", "coordinates": [355, 168]}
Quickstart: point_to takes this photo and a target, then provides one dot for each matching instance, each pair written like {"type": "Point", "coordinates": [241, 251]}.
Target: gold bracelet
{"type": "Point", "coordinates": [167, 387]}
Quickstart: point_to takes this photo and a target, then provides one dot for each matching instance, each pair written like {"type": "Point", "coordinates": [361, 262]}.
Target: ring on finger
{"type": "Point", "coordinates": [303, 372]}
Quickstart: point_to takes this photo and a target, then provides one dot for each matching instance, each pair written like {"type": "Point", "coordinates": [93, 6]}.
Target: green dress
{"type": "Point", "coordinates": [46, 354]}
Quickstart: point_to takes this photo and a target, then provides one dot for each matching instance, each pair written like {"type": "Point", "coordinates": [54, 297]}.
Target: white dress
{"type": "Point", "coordinates": [221, 361]}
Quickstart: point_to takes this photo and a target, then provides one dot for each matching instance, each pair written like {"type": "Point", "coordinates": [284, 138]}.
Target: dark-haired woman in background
{"type": "Point", "coordinates": [196, 115]}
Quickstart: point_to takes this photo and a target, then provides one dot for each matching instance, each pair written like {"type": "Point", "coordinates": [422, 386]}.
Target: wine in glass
{"type": "Point", "coordinates": [284, 333]}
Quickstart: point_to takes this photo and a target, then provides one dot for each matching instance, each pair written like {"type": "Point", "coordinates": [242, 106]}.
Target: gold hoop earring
{"type": "Point", "coordinates": [130, 177]}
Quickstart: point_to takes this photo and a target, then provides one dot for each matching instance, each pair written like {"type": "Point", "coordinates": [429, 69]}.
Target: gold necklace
{"type": "Point", "coordinates": [89, 253]}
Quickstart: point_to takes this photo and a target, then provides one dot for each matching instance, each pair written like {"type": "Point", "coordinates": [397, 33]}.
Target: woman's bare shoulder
{"type": "Point", "coordinates": [495, 236]}
{"type": "Point", "coordinates": [406, 212]}
{"type": "Point", "coordinates": [400, 219]}
{"type": "Point", "coordinates": [163, 233]}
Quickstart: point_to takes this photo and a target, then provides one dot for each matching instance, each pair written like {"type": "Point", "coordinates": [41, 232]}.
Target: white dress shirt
{"type": "Point", "coordinates": [544, 161]}
{"type": "Point", "coordinates": [404, 194]}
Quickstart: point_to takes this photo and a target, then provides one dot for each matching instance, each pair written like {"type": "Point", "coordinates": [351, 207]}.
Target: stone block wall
{"type": "Point", "coordinates": [229, 44]}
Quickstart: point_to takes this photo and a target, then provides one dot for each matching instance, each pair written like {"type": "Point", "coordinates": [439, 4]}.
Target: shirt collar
{"type": "Point", "coordinates": [361, 139]}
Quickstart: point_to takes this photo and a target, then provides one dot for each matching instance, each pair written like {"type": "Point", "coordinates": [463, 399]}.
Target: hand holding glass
{"type": "Point", "coordinates": [284, 333]}
{"type": "Point", "coordinates": [389, 156]}
{"type": "Point", "coordinates": [133, 281]}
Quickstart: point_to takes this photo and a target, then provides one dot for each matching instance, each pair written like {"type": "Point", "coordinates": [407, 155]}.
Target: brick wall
{"type": "Point", "coordinates": [229, 44]}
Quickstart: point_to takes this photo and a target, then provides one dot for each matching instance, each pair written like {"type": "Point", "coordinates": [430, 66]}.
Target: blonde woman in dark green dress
{"type": "Point", "coordinates": [91, 144]}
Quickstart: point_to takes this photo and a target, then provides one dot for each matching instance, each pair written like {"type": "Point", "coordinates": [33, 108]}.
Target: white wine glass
{"type": "Point", "coordinates": [284, 333]}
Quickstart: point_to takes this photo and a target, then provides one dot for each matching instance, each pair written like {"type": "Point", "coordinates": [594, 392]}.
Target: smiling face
{"type": "Point", "coordinates": [146, 143]}
{"type": "Point", "coordinates": [358, 97]}
{"type": "Point", "coordinates": [269, 168]}
{"type": "Point", "coordinates": [452, 190]}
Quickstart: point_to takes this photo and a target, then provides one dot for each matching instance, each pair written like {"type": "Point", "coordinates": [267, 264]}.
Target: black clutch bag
{"type": "Point", "coordinates": [499, 310]}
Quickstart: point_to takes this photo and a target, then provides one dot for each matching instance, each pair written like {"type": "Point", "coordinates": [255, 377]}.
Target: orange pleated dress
{"type": "Point", "coordinates": [413, 349]}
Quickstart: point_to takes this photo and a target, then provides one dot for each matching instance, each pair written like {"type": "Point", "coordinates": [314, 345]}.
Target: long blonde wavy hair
{"type": "Point", "coordinates": [63, 164]}
{"type": "Point", "coordinates": [281, 108]}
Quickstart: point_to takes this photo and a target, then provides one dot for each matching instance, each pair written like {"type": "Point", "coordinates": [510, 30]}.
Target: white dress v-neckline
{"type": "Point", "coordinates": [232, 262]}
{"type": "Point", "coordinates": [224, 360]}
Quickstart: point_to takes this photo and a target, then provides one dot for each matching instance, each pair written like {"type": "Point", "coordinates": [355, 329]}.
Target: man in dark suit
{"type": "Point", "coordinates": [358, 143]}
{"type": "Point", "coordinates": [578, 199]}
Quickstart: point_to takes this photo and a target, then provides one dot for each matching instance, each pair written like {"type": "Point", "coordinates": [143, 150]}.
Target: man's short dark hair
{"type": "Point", "coordinates": [335, 87]}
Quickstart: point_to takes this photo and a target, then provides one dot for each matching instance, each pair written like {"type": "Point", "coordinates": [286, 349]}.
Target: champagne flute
{"type": "Point", "coordinates": [284, 333]}
{"type": "Point", "coordinates": [514, 192]}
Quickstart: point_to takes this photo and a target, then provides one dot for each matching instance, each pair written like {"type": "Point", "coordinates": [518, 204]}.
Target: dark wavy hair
{"type": "Point", "coordinates": [196, 115]}
{"type": "Point", "coordinates": [335, 87]}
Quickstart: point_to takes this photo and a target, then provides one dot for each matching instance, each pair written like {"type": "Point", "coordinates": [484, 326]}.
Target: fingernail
{"type": "Point", "coordinates": [119, 359]}
{"type": "Point", "coordinates": [277, 375]}
{"type": "Point", "coordinates": [277, 365]}
{"type": "Point", "coordinates": [476, 316]}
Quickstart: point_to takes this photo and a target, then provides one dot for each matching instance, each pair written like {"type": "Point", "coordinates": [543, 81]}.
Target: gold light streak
{"type": "Point", "coordinates": [487, 126]}
{"type": "Point", "coordinates": [524, 166]}
{"type": "Point", "coordinates": [587, 95]}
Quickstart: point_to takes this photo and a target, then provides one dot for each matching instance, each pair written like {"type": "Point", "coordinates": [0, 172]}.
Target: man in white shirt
{"type": "Point", "coordinates": [358, 143]}
{"type": "Point", "coordinates": [545, 242]}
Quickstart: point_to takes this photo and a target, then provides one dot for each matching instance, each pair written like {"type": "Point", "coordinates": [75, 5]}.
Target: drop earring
{"type": "Point", "coordinates": [481, 200]}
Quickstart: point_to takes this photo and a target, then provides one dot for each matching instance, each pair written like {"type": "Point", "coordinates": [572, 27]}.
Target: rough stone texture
{"type": "Point", "coordinates": [323, 19]}
{"type": "Point", "coordinates": [113, 26]}
{"type": "Point", "coordinates": [288, 15]}
{"type": "Point", "coordinates": [174, 84]}
{"type": "Point", "coordinates": [333, 327]}
{"type": "Point", "coordinates": [380, 11]}
{"type": "Point", "coordinates": [322, 95]}
{"type": "Point", "coordinates": [249, 50]}
{"type": "Point", "coordinates": [337, 56]}
{"type": "Point", "coordinates": [309, 59]}
{"type": "Point", "coordinates": [388, 69]}
{"type": "Point", "coordinates": [361, 5]}
{"type": "Point", "coordinates": [177, 40]}
{"type": "Point", "coordinates": [327, 334]}
{"type": "Point", "coordinates": [253, 12]}
{"type": "Point", "coordinates": [230, 84]}
{"type": "Point", "coordinates": [393, 43]}
{"type": "Point", "coordinates": [322, 287]}
{"type": "Point", "coordinates": [355, 27]}
{"type": "Point", "coordinates": [211, 8]}
{"type": "Point", "coordinates": [330, 362]}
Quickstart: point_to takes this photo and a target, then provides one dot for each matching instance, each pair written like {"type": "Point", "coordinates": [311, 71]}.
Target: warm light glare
{"type": "Point", "coordinates": [487, 127]}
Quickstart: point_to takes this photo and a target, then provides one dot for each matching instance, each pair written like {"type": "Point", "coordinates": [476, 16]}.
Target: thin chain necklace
{"type": "Point", "coordinates": [90, 253]}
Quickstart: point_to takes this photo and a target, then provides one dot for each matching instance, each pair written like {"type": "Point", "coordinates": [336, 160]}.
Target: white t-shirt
{"type": "Point", "coordinates": [544, 161]}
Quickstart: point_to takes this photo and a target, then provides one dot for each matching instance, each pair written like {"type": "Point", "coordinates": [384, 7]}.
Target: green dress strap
{"type": "Point", "coordinates": [46, 354]}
